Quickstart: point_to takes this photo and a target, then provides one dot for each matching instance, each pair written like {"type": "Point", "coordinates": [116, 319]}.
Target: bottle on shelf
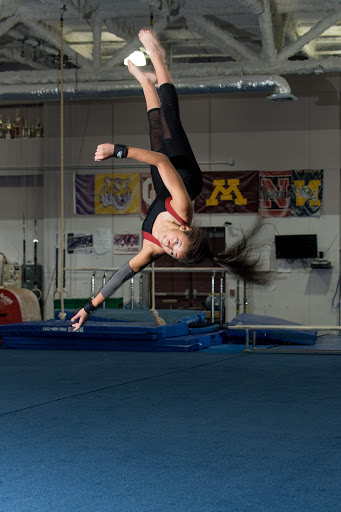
{"type": "Point", "coordinates": [25, 130]}
{"type": "Point", "coordinates": [8, 128]}
{"type": "Point", "coordinates": [38, 129]}
{"type": "Point", "coordinates": [18, 124]}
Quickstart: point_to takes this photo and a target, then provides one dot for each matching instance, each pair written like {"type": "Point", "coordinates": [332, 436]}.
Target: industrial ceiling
{"type": "Point", "coordinates": [209, 43]}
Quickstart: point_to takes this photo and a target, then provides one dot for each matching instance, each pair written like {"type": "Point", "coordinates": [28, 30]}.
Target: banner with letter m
{"type": "Point", "coordinates": [306, 193]}
{"type": "Point", "coordinates": [228, 192]}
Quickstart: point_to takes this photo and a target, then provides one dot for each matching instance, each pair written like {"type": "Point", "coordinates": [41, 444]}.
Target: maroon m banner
{"type": "Point", "coordinates": [228, 192]}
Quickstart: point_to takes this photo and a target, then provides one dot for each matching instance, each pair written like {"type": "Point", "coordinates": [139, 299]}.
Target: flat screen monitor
{"type": "Point", "coordinates": [296, 247]}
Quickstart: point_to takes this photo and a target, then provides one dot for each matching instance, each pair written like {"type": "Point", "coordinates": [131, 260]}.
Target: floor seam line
{"type": "Point", "coordinates": [115, 386]}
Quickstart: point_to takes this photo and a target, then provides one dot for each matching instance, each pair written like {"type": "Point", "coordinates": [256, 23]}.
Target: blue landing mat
{"type": "Point", "coordinates": [170, 316]}
{"type": "Point", "coordinates": [111, 335]}
{"type": "Point", "coordinates": [94, 330]}
{"type": "Point", "coordinates": [325, 344]}
{"type": "Point", "coordinates": [178, 344]}
{"type": "Point", "coordinates": [297, 335]}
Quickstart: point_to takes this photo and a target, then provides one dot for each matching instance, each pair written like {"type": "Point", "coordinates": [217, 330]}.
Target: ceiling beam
{"type": "Point", "coordinates": [5, 26]}
{"type": "Point", "coordinates": [53, 38]}
{"type": "Point", "coordinates": [314, 32]}
{"type": "Point", "coordinates": [253, 6]}
{"type": "Point", "coordinates": [132, 44]}
{"type": "Point", "coordinates": [280, 22]}
{"type": "Point", "coordinates": [269, 51]}
{"type": "Point", "coordinates": [123, 27]}
{"type": "Point", "coordinates": [222, 39]}
{"type": "Point", "coordinates": [168, 7]}
{"type": "Point", "coordinates": [96, 25]}
{"type": "Point", "coordinates": [120, 77]}
{"type": "Point", "coordinates": [15, 55]}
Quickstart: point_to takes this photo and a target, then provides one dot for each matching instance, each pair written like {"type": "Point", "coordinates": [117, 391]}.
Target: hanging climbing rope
{"type": "Point", "coordinates": [62, 314]}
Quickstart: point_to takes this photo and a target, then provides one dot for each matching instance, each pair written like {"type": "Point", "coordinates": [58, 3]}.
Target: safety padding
{"type": "Point", "coordinates": [94, 330]}
{"type": "Point", "coordinates": [178, 344]}
{"type": "Point", "coordinates": [204, 329]}
{"type": "Point", "coordinates": [268, 336]}
{"type": "Point", "coordinates": [58, 335]}
{"type": "Point", "coordinates": [170, 316]}
{"type": "Point", "coordinates": [18, 305]}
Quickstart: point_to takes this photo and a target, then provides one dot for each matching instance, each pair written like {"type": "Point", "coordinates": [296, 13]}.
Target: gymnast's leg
{"type": "Point", "coordinates": [148, 81]}
{"type": "Point", "coordinates": [175, 142]}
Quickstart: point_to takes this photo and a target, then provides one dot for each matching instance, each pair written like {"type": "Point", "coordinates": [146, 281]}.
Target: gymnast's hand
{"type": "Point", "coordinates": [104, 151]}
{"type": "Point", "coordinates": [82, 315]}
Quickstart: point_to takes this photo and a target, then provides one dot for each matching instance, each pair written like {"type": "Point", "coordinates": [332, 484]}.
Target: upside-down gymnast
{"type": "Point", "coordinates": [177, 180]}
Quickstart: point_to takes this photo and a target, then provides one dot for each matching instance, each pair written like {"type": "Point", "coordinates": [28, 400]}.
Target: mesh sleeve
{"type": "Point", "coordinates": [117, 280]}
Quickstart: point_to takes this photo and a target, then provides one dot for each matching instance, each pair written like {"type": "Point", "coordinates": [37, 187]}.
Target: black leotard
{"type": "Point", "coordinates": [159, 205]}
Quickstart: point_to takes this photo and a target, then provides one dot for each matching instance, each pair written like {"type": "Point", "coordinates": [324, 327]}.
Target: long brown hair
{"type": "Point", "coordinates": [237, 258]}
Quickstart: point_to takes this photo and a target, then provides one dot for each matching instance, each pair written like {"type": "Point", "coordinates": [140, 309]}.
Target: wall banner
{"type": "Point", "coordinates": [108, 194]}
{"type": "Point", "coordinates": [79, 243]}
{"type": "Point", "coordinates": [147, 193]}
{"type": "Point", "coordinates": [306, 193]}
{"type": "Point", "coordinates": [290, 193]}
{"type": "Point", "coordinates": [274, 193]}
{"type": "Point", "coordinates": [126, 244]}
{"type": "Point", "coordinates": [228, 192]}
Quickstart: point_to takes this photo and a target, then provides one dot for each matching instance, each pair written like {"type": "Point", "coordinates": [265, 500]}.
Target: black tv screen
{"type": "Point", "coordinates": [296, 247]}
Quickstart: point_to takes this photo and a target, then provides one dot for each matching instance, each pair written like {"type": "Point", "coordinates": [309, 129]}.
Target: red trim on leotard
{"type": "Point", "coordinates": [171, 210]}
{"type": "Point", "coordinates": [150, 238]}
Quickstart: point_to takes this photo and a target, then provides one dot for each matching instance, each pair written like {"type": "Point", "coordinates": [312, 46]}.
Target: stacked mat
{"type": "Point", "coordinates": [111, 334]}
{"type": "Point", "coordinates": [268, 336]}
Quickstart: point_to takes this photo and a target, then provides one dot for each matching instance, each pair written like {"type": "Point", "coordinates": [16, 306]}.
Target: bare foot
{"type": "Point", "coordinates": [141, 76]}
{"type": "Point", "coordinates": [151, 43]}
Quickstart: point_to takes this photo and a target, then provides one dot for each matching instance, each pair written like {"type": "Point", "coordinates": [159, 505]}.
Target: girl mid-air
{"type": "Point", "coordinates": [177, 180]}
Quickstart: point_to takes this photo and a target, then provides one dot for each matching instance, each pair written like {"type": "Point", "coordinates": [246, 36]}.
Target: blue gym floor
{"type": "Point", "coordinates": [204, 431]}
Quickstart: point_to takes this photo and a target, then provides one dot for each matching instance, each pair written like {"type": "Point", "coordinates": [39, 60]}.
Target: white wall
{"type": "Point", "coordinates": [251, 130]}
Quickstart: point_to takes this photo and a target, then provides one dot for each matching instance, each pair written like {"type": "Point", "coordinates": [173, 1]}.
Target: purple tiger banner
{"type": "Point", "coordinates": [107, 194]}
{"type": "Point", "coordinates": [85, 194]}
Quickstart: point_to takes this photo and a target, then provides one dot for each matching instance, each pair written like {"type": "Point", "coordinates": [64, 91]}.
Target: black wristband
{"type": "Point", "coordinates": [120, 151]}
{"type": "Point", "coordinates": [89, 307]}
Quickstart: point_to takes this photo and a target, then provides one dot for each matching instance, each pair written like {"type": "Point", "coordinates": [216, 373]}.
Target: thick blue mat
{"type": "Point", "coordinates": [94, 330]}
{"type": "Point", "coordinates": [170, 316]}
{"type": "Point", "coordinates": [178, 344]}
{"type": "Point", "coordinates": [111, 334]}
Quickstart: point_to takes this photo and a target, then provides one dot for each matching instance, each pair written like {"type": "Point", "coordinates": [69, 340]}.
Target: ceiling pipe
{"type": "Point", "coordinates": [274, 84]}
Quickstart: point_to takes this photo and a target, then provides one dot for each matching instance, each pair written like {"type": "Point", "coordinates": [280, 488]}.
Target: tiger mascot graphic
{"type": "Point", "coordinates": [115, 192]}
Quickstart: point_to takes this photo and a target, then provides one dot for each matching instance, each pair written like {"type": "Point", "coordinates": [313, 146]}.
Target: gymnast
{"type": "Point", "coordinates": [177, 181]}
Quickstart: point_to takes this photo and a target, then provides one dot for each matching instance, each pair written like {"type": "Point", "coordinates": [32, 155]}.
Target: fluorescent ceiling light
{"type": "Point", "coordinates": [136, 58]}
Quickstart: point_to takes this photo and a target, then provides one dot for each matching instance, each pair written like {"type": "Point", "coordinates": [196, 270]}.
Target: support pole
{"type": "Point", "coordinates": [221, 305]}
{"type": "Point", "coordinates": [254, 339]}
{"type": "Point", "coordinates": [132, 293]}
{"type": "Point", "coordinates": [212, 297]}
{"type": "Point", "coordinates": [62, 314]}
{"type": "Point", "coordinates": [93, 284]}
{"type": "Point", "coordinates": [238, 297]}
{"type": "Point", "coordinates": [141, 292]}
{"type": "Point", "coordinates": [104, 280]}
{"type": "Point", "coordinates": [245, 303]}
